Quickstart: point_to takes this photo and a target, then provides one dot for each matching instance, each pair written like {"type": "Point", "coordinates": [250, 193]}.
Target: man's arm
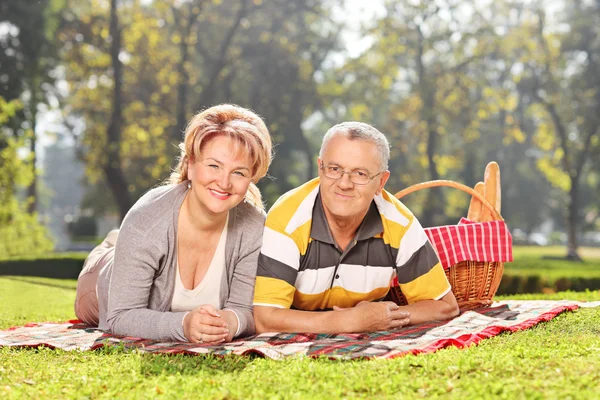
{"type": "Point", "coordinates": [365, 317]}
{"type": "Point", "coordinates": [422, 278]}
{"type": "Point", "coordinates": [430, 310]}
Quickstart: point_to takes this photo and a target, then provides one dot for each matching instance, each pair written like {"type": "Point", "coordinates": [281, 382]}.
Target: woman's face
{"type": "Point", "coordinates": [220, 175]}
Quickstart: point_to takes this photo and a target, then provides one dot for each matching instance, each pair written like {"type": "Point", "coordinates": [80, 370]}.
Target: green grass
{"type": "Point", "coordinates": [558, 359]}
{"type": "Point", "coordinates": [554, 251]}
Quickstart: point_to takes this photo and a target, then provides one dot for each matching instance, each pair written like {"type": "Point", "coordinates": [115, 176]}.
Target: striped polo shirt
{"type": "Point", "coordinates": [301, 267]}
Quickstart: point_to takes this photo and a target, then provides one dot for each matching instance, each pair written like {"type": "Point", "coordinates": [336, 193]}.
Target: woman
{"type": "Point", "coordinates": [184, 263]}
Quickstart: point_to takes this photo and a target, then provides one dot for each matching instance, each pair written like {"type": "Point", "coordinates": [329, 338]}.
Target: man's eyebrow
{"type": "Point", "coordinates": [353, 169]}
{"type": "Point", "coordinates": [221, 163]}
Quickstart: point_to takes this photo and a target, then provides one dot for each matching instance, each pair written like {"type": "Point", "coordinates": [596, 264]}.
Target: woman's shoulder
{"type": "Point", "coordinates": [249, 216]}
{"type": "Point", "coordinates": [156, 203]}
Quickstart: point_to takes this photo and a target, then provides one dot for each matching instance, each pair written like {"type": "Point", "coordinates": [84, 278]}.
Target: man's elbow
{"type": "Point", "coordinates": [261, 320]}
{"type": "Point", "coordinates": [453, 311]}
{"type": "Point", "coordinates": [450, 307]}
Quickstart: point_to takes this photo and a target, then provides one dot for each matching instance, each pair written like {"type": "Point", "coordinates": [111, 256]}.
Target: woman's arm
{"type": "Point", "coordinates": [136, 263]}
{"type": "Point", "coordinates": [241, 291]}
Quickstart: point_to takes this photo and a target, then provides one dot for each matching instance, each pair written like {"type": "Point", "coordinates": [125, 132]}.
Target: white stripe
{"type": "Point", "coordinates": [462, 249]}
{"type": "Point", "coordinates": [506, 233]}
{"type": "Point", "coordinates": [304, 212]}
{"type": "Point", "coordinates": [281, 248]}
{"type": "Point", "coordinates": [468, 242]}
{"type": "Point", "coordinates": [389, 211]}
{"type": "Point", "coordinates": [498, 240]}
{"type": "Point", "coordinates": [451, 246]}
{"type": "Point", "coordinates": [475, 242]}
{"type": "Point", "coordinates": [414, 238]}
{"type": "Point", "coordinates": [361, 279]}
{"type": "Point", "coordinates": [268, 305]}
{"type": "Point", "coordinates": [483, 240]}
{"type": "Point", "coordinates": [449, 262]}
{"type": "Point", "coordinates": [314, 281]}
{"type": "Point", "coordinates": [443, 294]}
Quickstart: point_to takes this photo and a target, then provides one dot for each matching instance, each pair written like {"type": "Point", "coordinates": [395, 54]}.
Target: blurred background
{"type": "Point", "coordinates": [95, 95]}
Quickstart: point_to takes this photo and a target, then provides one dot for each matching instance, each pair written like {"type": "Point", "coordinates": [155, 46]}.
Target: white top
{"type": "Point", "coordinates": [209, 289]}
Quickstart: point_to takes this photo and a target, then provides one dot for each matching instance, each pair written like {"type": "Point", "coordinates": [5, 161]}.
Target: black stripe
{"type": "Point", "coordinates": [371, 252]}
{"type": "Point", "coordinates": [271, 268]}
{"type": "Point", "coordinates": [421, 262]}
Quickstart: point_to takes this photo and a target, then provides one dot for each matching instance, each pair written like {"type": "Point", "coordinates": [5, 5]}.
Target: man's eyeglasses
{"type": "Point", "coordinates": [358, 177]}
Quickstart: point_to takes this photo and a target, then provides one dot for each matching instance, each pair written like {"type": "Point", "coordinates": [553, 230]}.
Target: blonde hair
{"type": "Point", "coordinates": [235, 122]}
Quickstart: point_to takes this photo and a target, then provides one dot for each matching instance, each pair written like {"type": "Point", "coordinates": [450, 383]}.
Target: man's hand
{"type": "Point", "coordinates": [376, 316]}
{"type": "Point", "coordinates": [204, 324]}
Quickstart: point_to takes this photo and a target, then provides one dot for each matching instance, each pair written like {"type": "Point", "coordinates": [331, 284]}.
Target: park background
{"type": "Point", "coordinates": [95, 94]}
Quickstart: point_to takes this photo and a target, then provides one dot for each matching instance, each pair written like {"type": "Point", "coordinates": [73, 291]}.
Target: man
{"type": "Point", "coordinates": [332, 246]}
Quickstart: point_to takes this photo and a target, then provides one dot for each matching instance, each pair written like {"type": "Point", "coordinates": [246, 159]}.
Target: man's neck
{"type": "Point", "coordinates": [343, 229]}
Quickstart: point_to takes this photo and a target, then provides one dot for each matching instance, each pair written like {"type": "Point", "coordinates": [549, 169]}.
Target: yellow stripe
{"type": "Point", "coordinates": [336, 296]}
{"type": "Point", "coordinates": [426, 287]}
{"type": "Point", "coordinates": [273, 291]}
{"type": "Point", "coordinates": [284, 209]}
{"type": "Point", "coordinates": [393, 231]}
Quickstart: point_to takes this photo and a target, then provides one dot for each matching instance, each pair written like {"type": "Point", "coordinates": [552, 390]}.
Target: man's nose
{"type": "Point", "coordinates": [344, 182]}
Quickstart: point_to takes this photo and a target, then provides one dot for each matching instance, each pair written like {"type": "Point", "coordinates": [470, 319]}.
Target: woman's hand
{"type": "Point", "coordinates": [204, 324]}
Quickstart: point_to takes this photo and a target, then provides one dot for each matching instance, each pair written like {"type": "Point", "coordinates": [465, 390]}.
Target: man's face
{"type": "Point", "coordinates": [341, 197]}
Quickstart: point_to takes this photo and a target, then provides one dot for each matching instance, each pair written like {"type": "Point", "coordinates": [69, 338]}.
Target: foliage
{"type": "Point", "coordinates": [20, 232]}
{"type": "Point", "coordinates": [181, 57]}
{"type": "Point", "coordinates": [527, 364]}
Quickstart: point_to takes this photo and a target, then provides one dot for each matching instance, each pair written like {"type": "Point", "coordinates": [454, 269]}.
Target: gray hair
{"type": "Point", "coordinates": [360, 131]}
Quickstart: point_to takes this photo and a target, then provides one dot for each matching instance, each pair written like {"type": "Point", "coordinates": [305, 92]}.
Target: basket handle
{"type": "Point", "coordinates": [456, 185]}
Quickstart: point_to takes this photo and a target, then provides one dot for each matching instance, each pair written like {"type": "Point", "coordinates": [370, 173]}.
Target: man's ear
{"type": "Point", "coordinates": [385, 175]}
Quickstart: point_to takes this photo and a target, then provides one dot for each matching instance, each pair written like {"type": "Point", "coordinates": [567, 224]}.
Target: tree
{"type": "Point", "coordinates": [28, 59]}
{"type": "Point", "coordinates": [563, 78]}
{"type": "Point", "coordinates": [20, 231]}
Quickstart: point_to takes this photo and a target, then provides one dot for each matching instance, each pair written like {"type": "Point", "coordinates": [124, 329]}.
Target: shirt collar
{"type": "Point", "coordinates": [370, 226]}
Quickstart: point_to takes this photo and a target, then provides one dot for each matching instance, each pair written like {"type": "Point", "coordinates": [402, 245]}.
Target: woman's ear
{"type": "Point", "coordinates": [190, 168]}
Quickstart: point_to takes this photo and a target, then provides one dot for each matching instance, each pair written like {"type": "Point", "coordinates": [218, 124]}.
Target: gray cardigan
{"type": "Point", "coordinates": [135, 290]}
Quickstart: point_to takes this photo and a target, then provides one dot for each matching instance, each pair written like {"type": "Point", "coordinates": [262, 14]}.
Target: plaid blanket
{"type": "Point", "coordinates": [474, 241]}
{"type": "Point", "coordinates": [465, 330]}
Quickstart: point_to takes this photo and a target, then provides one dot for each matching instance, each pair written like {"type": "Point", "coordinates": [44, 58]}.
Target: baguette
{"type": "Point", "coordinates": [475, 208]}
{"type": "Point", "coordinates": [492, 190]}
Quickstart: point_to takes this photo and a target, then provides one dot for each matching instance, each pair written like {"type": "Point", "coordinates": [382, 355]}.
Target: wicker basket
{"type": "Point", "coordinates": [474, 283]}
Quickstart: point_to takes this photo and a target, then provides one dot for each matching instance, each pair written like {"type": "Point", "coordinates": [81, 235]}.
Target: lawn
{"type": "Point", "coordinates": [559, 359]}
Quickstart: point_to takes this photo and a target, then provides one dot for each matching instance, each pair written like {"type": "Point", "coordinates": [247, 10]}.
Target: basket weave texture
{"type": "Point", "coordinates": [474, 283]}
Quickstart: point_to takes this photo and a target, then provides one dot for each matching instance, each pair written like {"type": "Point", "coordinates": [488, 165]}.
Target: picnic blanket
{"type": "Point", "coordinates": [465, 330]}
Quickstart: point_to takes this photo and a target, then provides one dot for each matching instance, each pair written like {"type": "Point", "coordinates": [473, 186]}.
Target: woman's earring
{"type": "Point", "coordinates": [189, 184]}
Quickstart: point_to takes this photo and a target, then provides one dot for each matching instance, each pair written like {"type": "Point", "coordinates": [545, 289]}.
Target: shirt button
{"type": "Point", "coordinates": [337, 276]}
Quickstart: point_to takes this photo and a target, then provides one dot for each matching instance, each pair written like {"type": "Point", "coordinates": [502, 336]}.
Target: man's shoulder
{"type": "Point", "coordinates": [393, 210]}
{"type": "Point", "coordinates": [293, 208]}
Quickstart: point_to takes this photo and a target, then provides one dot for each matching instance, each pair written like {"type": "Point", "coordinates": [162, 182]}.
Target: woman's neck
{"type": "Point", "coordinates": [200, 219]}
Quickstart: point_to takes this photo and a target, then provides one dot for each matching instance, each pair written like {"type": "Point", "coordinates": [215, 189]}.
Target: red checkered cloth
{"type": "Point", "coordinates": [472, 241]}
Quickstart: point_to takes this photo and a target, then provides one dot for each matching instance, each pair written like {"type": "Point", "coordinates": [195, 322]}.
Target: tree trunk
{"type": "Point", "coordinates": [433, 203]}
{"type": "Point", "coordinates": [112, 169]}
{"type": "Point", "coordinates": [32, 189]}
{"type": "Point", "coordinates": [572, 212]}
